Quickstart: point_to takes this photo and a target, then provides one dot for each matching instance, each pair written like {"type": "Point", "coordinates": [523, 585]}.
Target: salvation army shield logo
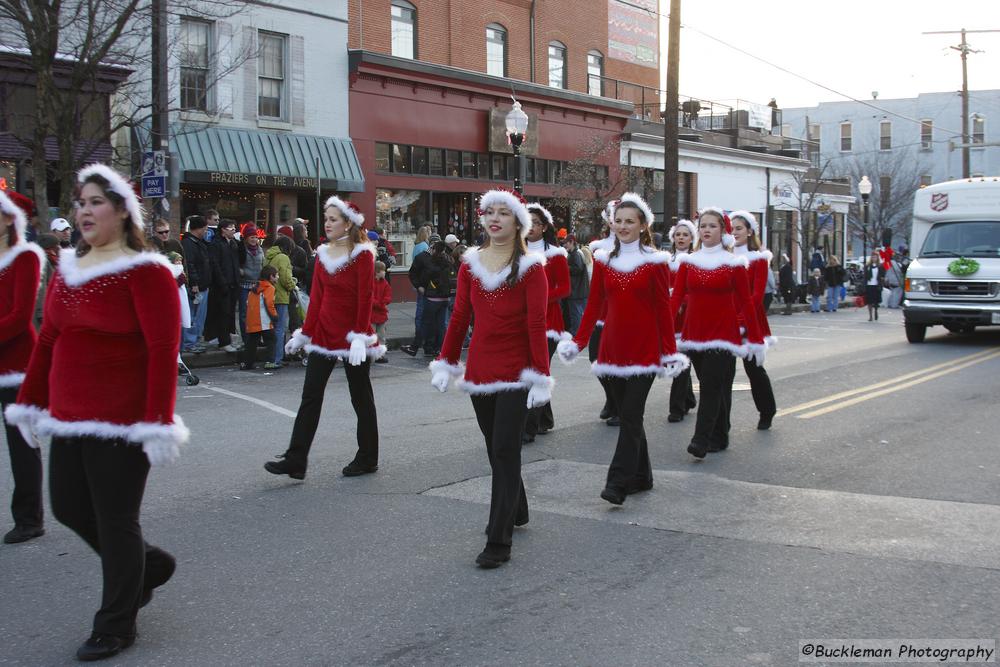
{"type": "Point", "coordinates": [939, 202]}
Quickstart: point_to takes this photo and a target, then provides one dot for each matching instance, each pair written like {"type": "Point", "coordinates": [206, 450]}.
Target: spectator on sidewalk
{"type": "Point", "coordinates": [419, 264]}
{"type": "Point", "coordinates": [199, 273]}
{"type": "Point", "coordinates": [816, 262]}
{"type": "Point", "coordinates": [212, 218]}
{"type": "Point", "coordinates": [382, 297]}
{"type": "Point", "coordinates": [62, 230]}
{"type": "Point", "coordinates": [894, 281]}
{"type": "Point", "coordinates": [279, 256]}
{"type": "Point", "coordinates": [579, 282]}
{"type": "Point", "coordinates": [260, 317]}
{"type": "Point", "coordinates": [816, 287]}
{"type": "Point", "coordinates": [434, 284]}
{"type": "Point", "coordinates": [300, 271]}
{"type": "Point", "coordinates": [420, 243]}
{"type": "Point", "coordinates": [786, 283]}
{"type": "Point", "coordinates": [834, 276]}
{"type": "Point", "coordinates": [221, 320]}
{"type": "Point", "coordinates": [769, 289]}
{"type": "Point", "coordinates": [50, 244]}
{"type": "Point", "coordinates": [251, 262]}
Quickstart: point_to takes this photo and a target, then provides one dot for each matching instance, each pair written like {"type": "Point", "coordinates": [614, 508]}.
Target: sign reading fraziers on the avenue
{"type": "Point", "coordinates": [257, 180]}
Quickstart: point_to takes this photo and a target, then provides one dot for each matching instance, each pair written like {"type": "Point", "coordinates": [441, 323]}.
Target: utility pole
{"type": "Point", "coordinates": [964, 50]}
{"type": "Point", "coordinates": [161, 119]}
{"type": "Point", "coordinates": [670, 143]}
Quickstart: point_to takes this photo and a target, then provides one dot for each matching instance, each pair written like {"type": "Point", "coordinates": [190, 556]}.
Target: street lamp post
{"type": "Point", "coordinates": [517, 127]}
{"type": "Point", "coordinates": [865, 188]}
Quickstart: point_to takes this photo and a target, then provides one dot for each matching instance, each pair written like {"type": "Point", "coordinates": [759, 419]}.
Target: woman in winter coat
{"type": "Point", "coordinates": [682, 399]}
{"type": "Point", "coordinates": [251, 262]}
{"type": "Point", "coordinates": [507, 370]}
{"type": "Point", "coordinates": [110, 336]}
{"type": "Point", "coordinates": [874, 280]}
{"type": "Point", "coordinates": [541, 239]}
{"type": "Point", "coordinates": [714, 286]}
{"type": "Point", "coordinates": [834, 275]}
{"type": "Point", "coordinates": [632, 286]}
{"type": "Point", "coordinates": [338, 326]}
{"type": "Point", "coordinates": [278, 256]}
{"type": "Point", "coordinates": [746, 232]}
{"type": "Point", "coordinates": [21, 264]}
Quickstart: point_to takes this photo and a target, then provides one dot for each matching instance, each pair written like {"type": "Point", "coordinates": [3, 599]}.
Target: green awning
{"type": "Point", "coordinates": [275, 159]}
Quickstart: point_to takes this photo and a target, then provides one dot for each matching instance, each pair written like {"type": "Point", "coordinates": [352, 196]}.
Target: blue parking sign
{"type": "Point", "coordinates": [154, 186]}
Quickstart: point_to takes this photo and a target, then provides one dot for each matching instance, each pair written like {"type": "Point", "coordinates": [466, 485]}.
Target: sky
{"type": "Point", "coordinates": [852, 46]}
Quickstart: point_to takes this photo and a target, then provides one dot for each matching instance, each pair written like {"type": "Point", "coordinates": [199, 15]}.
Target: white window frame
{"type": "Point", "coordinates": [981, 120]}
{"type": "Point", "coordinates": [207, 69]}
{"type": "Point", "coordinates": [883, 135]}
{"type": "Point", "coordinates": [497, 28]}
{"type": "Point", "coordinates": [283, 79]}
{"type": "Point", "coordinates": [564, 84]}
{"type": "Point", "coordinates": [595, 86]}
{"type": "Point", "coordinates": [849, 137]}
{"type": "Point", "coordinates": [403, 6]}
{"type": "Point", "coordinates": [928, 143]}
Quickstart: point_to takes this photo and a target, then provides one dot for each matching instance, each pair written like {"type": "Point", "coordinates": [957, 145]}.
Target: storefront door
{"type": "Point", "coordinates": [454, 213]}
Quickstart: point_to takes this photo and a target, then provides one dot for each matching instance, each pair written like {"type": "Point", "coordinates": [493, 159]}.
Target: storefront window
{"type": "Point", "coordinates": [499, 167]}
{"type": "Point", "coordinates": [401, 159]}
{"type": "Point", "coordinates": [238, 205]}
{"type": "Point", "coordinates": [419, 160]}
{"type": "Point", "coordinates": [436, 162]}
{"type": "Point", "coordinates": [400, 213]}
{"type": "Point", "coordinates": [542, 171]}
{"type": "Point", "coordinates": [453, 164]}
{"type": "Point", "coordinates": [468, 165]}
{"type": "Point", "coordinates": [382, 153]}
{"type": "Point", "coordinates": [484, 165]}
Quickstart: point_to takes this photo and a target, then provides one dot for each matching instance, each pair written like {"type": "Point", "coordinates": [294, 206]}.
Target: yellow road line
{"type": "Point", "coordinates": [851, 392]}
{"type": "Point", "coordinates": [898, 387]}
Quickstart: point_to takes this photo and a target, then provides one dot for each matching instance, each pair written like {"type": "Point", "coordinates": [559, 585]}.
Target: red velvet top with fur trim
{"type": "Point", "coordinates": [714, 284]}
{"type": "Point", "coordinates": [340, 303]}
{"type": "Point", "coordinates": [634, 290]}
{"type": "Point", "coordinates": [557, 275]}
{"type": "Point", "coordinates": [20, 272]}
{"type": "Point", "coordinates": [508, 349]}
{"type": "Point", "coordinates": [760, 264]}
{"type": "Point", "coordinates": [105, 364]}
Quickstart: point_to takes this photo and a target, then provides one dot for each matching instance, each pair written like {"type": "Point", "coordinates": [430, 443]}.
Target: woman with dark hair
{"type": "Point", "coordinates": [338, 326]}
{"type": "Point", "coordinates": [21, 265]}
{"type": "Point", "coordinates": [746, 233]}
{"type": "Point", "coordinates": [507, 371]}
{"type": "Point", "coordinates": [542, 240]}
{"type": "Point", "coordinates": [632, 285]}
{"type": "Point", "coordinates": [682, 399]}
{"type": "Point", "coordinates": [874, 279]}
{"type": "Point", "coordinates": [714, 286]}
{"type": "Point", "coordinates": [110, 335]}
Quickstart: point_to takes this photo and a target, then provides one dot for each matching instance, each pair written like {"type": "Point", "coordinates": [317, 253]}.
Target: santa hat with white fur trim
{"type": "Point", "coordinates": [349, 209]}
{"type": "Point", "coordinates": [687, 224]}
{"type": "Point", "coordinates": [637, 201]}
{"type": "Point", "coordinates": [727, 237]}
{"type": "Point", "coordinates": [117, 184]}
{"type": "Point", "coordinates": [8, 207]}
{"type": "Point", "coordinates": [543, 212]}
{"type": "Point", "coordinates": [512, 200]}
{"type": "Point", "coordinates": [608, 214]}
{"type": "Point", "coordinates": [749, 217]}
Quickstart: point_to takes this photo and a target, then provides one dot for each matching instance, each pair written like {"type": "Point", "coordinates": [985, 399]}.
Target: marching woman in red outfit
{"type": "Point", "coordinates": [682, 399]}
{"type": "Point", "coordinates": [713, 285]}
{"type": "Point", "coordinates": [338, 326]}
{"type": "Point", "coordinates": [632, 285]}
{"type": "Point", "coordinates": [609, 412]}
{"type": "Point", "coordinates": [507, 371]}
{"type": "Point", "coordinates": [102, 382]}
{"type": "Point", "coordinates": [20, 273]}
{"type": "Point", "coordinates": [542, 240]}
{"type": "Point", "coordinates": [747, 236]}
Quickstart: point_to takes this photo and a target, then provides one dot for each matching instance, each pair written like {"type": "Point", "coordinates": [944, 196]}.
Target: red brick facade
{"type": "Point", "coordinates": [453, 32]}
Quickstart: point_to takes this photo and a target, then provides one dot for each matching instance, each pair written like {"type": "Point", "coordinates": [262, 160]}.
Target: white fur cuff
{"type": "Point", "coordinates": [368, 339]}
{"type": "Point", "coordinates": [19, 413]}
{"type": "Point", "coordinates": [552, 334]}
{"type": "Point", "coordinates": [442, 365]}
{"type": "Point", "coordinates": [533, 377]}
{"type": "Point", "coordinates": [11, 379]}
{"type": "Point", "coordinates": [676, 358]}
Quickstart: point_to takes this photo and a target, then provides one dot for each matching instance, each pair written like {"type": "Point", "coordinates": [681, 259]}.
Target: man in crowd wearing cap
{"type": "Point", "coordinates": [199, 271]}
{"type": "Point", "coordinates": [452, 241]}
{"type": "Point", "coordinates": [62, 230]}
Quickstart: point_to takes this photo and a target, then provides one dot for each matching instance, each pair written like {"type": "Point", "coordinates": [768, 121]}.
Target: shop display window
{"type": "Point", "coordinates": [400, 213]}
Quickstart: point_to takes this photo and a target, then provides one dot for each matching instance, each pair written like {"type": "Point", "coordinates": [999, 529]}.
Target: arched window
{"type": "Point", "coordinates": [404, 29]}
{"type": "Point", "coordinates": [595, 73]}
{"type": "Point", "coordinates": [496, 50]}
{"type": "Point", "coordinates": [557, 65]}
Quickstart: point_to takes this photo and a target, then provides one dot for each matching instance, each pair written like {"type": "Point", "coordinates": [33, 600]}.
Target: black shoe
{"type": "Point", "coordinates": [409, 349]}
{"type": "Point", "coordinates": [20, 533]}
{"type": "Point", "coordinates": [613, 496]}
{"type": "Point", "coordinates": [521, 519]}
{"type": "Point", "coordinates": [717, 448]}
{"type": "Point", "coordinates": [764, 423]}
{"type": "Point", "coordinates": [157, 576]}
{"type": "Point", "coordinates": [696, 450]}
{"type": "Point", "coordinates": [283, 467]}
{"type": "Point", "coordinates": [381, 360]}
{"type": "Point", "coordinates": [614, 420]}
{"type": "Point", "coordinates": [542, 430]}
{"type": "Point", "coordinates": [673, 418]}
{"type": "Point", "coordinates": [101, 646]}
{"type": "Point", "coordinates": [527, 439]}
{"type": "Point", "coordinates": [493, 556]}
{"type": "Point", "coordinates": [606, 411]}
{"type": "Point", "coordinates": [639, 487]}
{"type": "Point", "coordinates": [355, 469]}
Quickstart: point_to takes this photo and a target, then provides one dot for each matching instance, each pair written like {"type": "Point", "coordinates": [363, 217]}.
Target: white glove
{"type": "Point", "coordinates": [567, 351]}
{"type": "Point", "coordinates": [28, 434]}
{"type": "Point", "coordinates": [757, 354]}
{"type": "Point", "coordinates": [160, 450]}
{"type": "Point", "coordinates": [440, 380]}
{"type": "Point", "coordinates": [539, 395]}
{"type": "Point", "coordinates": [358, 352]}
{"type": "Point", "coordinates": [296, 342]}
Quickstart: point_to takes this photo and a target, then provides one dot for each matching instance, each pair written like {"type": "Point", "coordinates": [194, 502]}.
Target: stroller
{"type": "Point", "coordinates": [190, 379]}
{"type": "Point", "coordinates": [182, 369]}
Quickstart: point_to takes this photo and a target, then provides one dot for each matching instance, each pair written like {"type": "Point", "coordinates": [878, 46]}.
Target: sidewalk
{"type": "Point", "coordinates": [401, 332]}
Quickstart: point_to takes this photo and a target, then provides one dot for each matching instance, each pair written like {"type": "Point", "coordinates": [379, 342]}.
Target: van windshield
{"type": "Point", "coordinates": [963, 239]}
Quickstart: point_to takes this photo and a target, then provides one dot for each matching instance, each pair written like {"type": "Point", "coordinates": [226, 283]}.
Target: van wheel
{"type": "Point", "coordinates": [915, 333]}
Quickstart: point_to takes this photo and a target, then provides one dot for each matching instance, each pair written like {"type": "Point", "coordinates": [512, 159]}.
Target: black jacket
{"type": "Point", "coordinates": [225, 263]}
{"type": "Point", "coordinates": [418, 268]}
{"type": "Point", "coordinates": [579, 281]}
{"type": "Point", "coordinates": [437, 277]}
{"type": "Point", "coordinates": [834, 275]}
{"type": "Point", "coordinates": [197, 258]}
{"type": "Point", "coordinates": [786, 278]}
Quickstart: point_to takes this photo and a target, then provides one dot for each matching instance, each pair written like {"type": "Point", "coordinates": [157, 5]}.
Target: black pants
{"type": "Point", "coordinates": [432, 326]}
{"type": "Point", "coordinates": [760, 388]}
{"type": "Point", "coordinates": [307, 420]}
{"type": "Point", "coordinates": [501, 418]}
{"type": "Point", "coordinates": [592, 349]}
{"type": "Point", "coordinates": [220, 322]}
{"type": "Point", "coordinates": [716, 370]}
{"type": "Point", "coordinates": [255, 339]}
{"type": "Point", "coordinates": [768, 298]}
{"type": "Point", "coordinates": [682, 394]}
{"type": "Point", "coordinates": [96, 489]}
{"type": "Point", "coordinates": [542, 419]}
{"type": "Point", "coordinates": [630, 466]}
{"type": "Point", "coordinates": [26, 467]}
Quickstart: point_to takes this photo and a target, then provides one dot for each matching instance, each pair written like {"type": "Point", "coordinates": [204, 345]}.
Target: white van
{"type": "Point", "coordinates": [954, 280]}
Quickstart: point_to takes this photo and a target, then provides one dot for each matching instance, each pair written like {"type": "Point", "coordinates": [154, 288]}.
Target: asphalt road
{"type": "Point", "coordinates": [870, 510]}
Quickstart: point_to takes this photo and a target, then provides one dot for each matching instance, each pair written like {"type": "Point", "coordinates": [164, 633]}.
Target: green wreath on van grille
{"type": "Point", "coordinates": [963, 267]}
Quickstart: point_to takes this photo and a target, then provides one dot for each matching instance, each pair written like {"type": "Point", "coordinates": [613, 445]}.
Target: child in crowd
{"type": "Point", "coordinates": [261, 313]}
{"type": "Point", "coordinates": [380, 307]}
{"type": "Point", "coordinates": [817, 286]}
